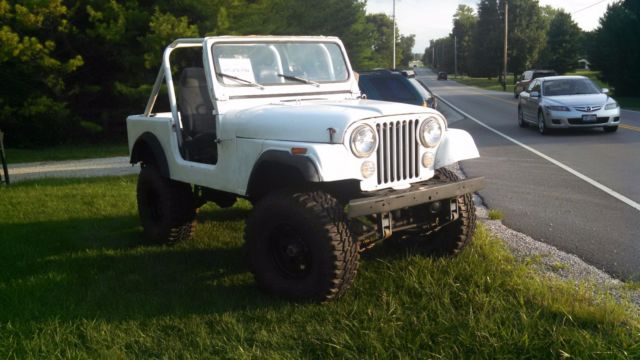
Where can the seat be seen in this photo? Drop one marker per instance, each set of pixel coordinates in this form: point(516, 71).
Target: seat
point(268, 76)
point(198, 121)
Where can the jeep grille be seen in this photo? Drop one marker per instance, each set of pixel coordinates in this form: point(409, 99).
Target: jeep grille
point(398, 151)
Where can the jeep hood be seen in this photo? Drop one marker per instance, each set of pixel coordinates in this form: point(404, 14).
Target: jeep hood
point(309, 121)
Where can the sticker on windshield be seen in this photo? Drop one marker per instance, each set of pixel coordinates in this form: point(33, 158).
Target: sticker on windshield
point(238, 67)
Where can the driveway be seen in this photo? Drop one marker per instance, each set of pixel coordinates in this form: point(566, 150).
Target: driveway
point(112, 166)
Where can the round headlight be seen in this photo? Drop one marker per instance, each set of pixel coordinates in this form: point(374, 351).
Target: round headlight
point(363, 141)
point(430, 132)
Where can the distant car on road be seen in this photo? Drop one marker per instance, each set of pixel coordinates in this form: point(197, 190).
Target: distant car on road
point(387, 85)
point(442, 75)
point(527, 77)
point(567, 102)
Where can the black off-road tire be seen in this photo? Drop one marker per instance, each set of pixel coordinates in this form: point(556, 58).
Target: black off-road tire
point(166, 207)
point(452, 238)
point(300, 246)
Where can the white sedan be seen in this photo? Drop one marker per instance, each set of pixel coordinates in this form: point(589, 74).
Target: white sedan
point(561, 102)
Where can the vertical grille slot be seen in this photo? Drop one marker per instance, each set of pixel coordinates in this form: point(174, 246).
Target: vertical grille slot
point(398, 151)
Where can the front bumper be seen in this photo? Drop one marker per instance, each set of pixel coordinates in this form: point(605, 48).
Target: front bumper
point(419, 194)
point(574, 118)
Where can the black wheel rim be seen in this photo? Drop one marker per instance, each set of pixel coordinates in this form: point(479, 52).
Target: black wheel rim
point(289, 252)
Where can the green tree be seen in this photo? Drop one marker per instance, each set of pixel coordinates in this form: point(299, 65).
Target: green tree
point(616, 50)
point(381, 39)
point(464, 22)
point(427, 57)
point(441, 51)
point(563, 44)
point(33, 68)
point(72, 68)
point(405, 49)
point(486, 46)
point(343, 18)
point(526, 35)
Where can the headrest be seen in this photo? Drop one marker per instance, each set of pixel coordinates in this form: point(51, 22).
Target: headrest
point(193, 77)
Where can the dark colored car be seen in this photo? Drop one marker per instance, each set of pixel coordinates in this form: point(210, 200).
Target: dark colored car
point(527, 77)
point(426, 93)
point(442, 75)
point(393, 86)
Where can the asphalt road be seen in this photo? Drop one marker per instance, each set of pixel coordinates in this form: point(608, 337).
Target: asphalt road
point(580, 192)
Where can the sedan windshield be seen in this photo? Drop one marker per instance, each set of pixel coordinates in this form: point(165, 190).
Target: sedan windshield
point(279, 63)
point(569, 87)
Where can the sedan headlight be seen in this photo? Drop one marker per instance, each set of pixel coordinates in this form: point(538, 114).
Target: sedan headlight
point(431, 132)
point(557, 108)
point(363, 141)
point(612, 105)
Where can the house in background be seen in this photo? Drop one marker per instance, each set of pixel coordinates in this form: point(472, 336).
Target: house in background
point(583, 64)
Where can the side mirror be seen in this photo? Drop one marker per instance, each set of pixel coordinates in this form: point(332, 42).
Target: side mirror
point(535, 94)
point(605, 91)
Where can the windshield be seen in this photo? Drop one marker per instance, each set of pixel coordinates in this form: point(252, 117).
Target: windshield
point(279, 63)
point(388, 88)
point(569, 87)
point(424, 92)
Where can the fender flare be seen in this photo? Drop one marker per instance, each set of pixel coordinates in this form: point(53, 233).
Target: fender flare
point(266, 171)
point(456, 146)
point(304, 164)
point(148, 146)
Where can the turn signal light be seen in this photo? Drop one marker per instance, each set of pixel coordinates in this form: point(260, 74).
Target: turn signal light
point(298, 151)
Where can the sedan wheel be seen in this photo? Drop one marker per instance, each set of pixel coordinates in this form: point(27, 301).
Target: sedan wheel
point(542, 127)
point(521, 121)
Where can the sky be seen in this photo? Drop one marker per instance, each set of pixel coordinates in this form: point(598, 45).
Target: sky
point(433, 19)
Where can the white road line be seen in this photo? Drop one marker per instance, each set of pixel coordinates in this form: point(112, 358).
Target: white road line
point(589, 180)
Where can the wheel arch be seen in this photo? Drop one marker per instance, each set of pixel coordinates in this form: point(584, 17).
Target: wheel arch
point(147, 149)
point(276, 169)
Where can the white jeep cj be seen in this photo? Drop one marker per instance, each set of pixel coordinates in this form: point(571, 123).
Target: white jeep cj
point(281, 122)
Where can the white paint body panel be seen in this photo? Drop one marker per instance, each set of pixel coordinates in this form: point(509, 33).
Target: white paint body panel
point(457, 145)
point(248, 123)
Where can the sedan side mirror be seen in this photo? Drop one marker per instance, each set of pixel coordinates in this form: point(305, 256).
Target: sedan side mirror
point(535, 94)
point(605, 91)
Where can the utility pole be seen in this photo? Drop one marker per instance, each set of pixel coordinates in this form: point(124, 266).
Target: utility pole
point(504, 58)
point(455, 55)
point(394, 35)
point(433, 55)
point(443, 54)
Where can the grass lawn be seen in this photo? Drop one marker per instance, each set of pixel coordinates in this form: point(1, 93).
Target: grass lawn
point(75, 282)
point(631, 103)
point(593, 75)
point(67, 152)
point(483, 83)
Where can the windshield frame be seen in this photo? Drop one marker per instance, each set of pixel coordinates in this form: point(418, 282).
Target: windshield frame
point(282, 74)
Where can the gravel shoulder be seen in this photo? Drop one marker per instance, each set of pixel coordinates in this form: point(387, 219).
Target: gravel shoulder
point(553, 263)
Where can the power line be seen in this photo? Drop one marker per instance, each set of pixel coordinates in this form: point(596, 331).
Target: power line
point(588, 7)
